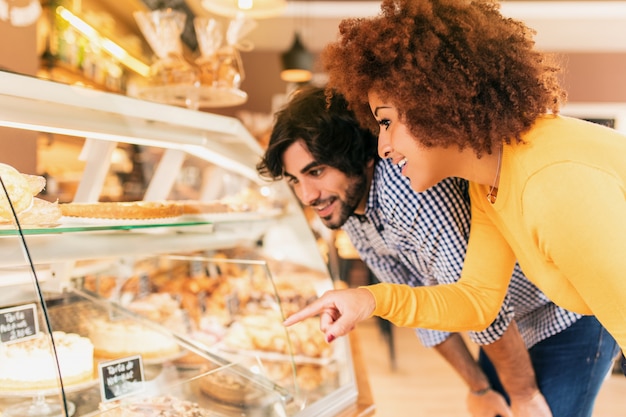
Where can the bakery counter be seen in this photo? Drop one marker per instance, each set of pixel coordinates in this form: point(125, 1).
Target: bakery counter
point(244, 358)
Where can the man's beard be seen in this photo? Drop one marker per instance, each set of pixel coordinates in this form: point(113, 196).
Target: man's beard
point(354, 194)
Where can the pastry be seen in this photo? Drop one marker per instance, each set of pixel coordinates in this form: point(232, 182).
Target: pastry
point(18, 188)
point(227, 387)
point(161, 406)
point(265, 332)
point(120, 338)
point(203, 207)
point(41, 213)
point(133, 210)
point(30, 210)
point(125, 337)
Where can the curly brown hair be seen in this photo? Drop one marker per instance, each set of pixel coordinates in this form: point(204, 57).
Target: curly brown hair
point(459, 73)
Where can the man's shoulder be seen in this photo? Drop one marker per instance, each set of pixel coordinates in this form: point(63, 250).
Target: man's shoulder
point(390, 185)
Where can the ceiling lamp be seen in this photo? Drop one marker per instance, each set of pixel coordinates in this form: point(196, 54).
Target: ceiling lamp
point(297, 63)
point(254, 9)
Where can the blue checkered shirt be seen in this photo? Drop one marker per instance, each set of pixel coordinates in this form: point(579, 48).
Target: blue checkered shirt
point(421, 238)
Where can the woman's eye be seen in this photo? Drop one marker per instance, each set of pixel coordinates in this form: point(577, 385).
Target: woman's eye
point(384, 123)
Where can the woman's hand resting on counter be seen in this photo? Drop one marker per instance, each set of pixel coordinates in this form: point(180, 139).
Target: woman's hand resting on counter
point(339, 311)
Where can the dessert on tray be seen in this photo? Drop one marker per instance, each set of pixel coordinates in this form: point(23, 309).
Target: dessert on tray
point(159, 406)
point(126, 210)
point(30, 365)
point(119, 337)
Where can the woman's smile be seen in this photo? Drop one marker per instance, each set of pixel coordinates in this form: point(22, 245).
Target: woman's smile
point(402, 165)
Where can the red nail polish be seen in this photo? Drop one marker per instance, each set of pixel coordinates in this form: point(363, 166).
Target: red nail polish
point(330, 338)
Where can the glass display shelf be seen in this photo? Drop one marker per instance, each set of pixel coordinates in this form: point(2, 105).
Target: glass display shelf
point(110, 226)
point(62, 247)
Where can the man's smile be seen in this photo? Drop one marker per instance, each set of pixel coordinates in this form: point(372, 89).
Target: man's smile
point(325, 207)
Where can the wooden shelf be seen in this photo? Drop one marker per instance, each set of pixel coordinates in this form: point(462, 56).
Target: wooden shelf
point(64, 73)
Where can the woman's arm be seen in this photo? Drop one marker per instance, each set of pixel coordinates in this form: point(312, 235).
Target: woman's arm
point(469, 304)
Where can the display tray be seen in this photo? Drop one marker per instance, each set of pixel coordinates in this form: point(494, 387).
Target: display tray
point(160, 360)
point(263, 355)
point(75, 225)
point(192, 223)
point(68, 388)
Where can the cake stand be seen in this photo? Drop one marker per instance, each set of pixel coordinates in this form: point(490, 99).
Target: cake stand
point(39, 405)
point(193, 97)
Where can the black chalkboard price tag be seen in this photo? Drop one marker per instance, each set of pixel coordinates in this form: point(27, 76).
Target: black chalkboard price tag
point(120, 378)
point(18, 323)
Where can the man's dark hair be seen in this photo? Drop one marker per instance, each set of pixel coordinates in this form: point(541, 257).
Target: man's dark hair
point(327, 127)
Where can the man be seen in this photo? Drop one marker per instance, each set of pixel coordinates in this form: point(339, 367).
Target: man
point(544, 360)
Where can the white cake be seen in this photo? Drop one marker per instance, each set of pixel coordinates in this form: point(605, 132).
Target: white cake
point(116, 339)
point(30, 364)
point(125, 337)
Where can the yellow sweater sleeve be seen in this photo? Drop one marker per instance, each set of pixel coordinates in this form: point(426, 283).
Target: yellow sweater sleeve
point(470, 304)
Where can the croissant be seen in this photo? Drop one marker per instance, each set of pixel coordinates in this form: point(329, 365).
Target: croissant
point(22, 189)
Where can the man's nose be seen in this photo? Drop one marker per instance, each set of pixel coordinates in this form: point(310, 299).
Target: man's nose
point(308, 192)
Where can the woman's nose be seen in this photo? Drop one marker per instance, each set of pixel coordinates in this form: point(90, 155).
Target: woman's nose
point(384, 146)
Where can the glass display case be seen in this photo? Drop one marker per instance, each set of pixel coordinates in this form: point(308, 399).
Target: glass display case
point(174, 315)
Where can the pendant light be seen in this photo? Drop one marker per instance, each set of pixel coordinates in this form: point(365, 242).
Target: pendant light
point(253, 9)
point(297, 63)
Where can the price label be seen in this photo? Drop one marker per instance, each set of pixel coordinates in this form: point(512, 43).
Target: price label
point(121, 378)
point(196, 269)
point(18, 323)
point(145, 286)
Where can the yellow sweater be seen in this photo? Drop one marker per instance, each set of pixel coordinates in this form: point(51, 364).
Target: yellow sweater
point(560, 211)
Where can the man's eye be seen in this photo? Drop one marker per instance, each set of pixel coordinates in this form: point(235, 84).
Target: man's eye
point(316, 172)
point(291, 181)
point(384, 123)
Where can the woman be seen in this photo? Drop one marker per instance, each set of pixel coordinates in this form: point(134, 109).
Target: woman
point(459, 91)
